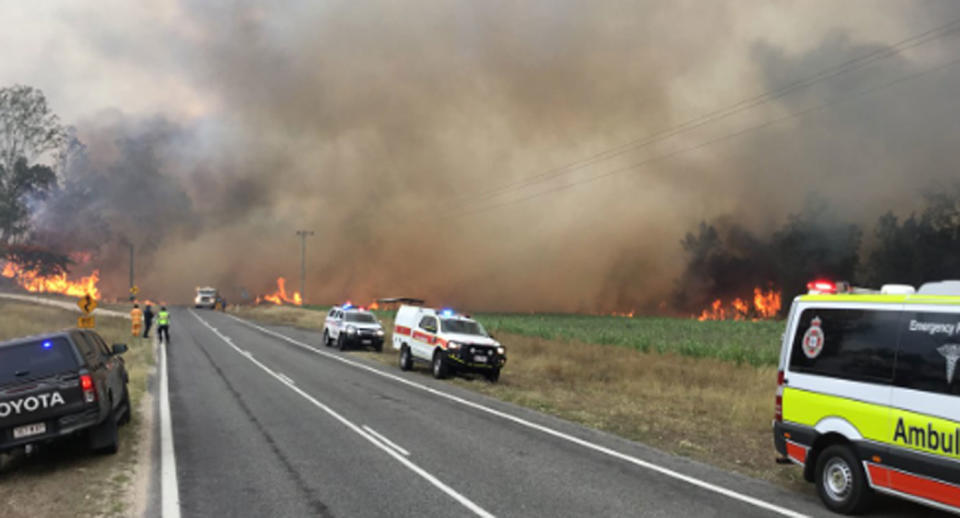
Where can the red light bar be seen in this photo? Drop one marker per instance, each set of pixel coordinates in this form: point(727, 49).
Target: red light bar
point(822, 287)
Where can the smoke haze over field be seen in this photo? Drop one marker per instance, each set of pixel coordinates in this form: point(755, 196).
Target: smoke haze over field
point(211, 134)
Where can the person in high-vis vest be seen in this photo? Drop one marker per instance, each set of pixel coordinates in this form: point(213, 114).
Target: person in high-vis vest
point(136, 321)
point(163, 325)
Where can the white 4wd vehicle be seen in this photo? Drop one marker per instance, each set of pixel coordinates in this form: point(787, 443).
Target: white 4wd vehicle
point(347, 326)
point(448, 341)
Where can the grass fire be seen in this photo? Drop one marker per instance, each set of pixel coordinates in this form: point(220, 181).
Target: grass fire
point(57, 283)
point(280, 297)
point(765, 305)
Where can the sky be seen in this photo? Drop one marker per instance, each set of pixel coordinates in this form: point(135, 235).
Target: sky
point(427, 143)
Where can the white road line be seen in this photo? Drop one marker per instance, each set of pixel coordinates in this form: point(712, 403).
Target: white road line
point(466, 502)
point(549, 431)
point(169, 491)
point(386, 441)
point(286, 379)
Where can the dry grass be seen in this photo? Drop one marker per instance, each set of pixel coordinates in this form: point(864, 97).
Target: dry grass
point(65, 479)
point(709, 409)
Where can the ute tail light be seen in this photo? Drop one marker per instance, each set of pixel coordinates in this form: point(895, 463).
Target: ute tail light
point(89, 392)
point(778, 401)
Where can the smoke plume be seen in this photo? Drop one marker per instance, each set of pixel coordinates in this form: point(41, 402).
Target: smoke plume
point(383, 127)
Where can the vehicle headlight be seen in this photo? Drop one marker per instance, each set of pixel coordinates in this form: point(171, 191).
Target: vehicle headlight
point(501, 350)
point(379, 332)
point(351, 330)
point(453, 346)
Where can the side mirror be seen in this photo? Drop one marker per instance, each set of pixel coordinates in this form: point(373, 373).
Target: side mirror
point(119, 348)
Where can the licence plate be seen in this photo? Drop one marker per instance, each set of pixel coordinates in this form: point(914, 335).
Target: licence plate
point(367, 342)
point(28, 430)
point(480, 359)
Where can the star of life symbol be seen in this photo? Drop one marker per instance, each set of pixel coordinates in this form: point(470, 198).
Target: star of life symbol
point(813, 339)
point(952, 353)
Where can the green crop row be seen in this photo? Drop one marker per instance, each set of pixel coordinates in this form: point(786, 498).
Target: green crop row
point(754, 343)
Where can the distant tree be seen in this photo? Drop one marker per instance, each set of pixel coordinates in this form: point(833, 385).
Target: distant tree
point(725, 260)
point(923, 247)
point(29, 132)
point(28, 129)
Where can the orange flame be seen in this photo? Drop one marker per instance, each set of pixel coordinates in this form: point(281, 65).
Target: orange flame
point(35, 283)
point(628, 314)
point(373, 306)
point(766, 305)
point(280, 296)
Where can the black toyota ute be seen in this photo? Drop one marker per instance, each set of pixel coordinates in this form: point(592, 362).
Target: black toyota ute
point(60, 384)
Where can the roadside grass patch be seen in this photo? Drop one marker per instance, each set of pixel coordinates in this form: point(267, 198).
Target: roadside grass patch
point(65, 478)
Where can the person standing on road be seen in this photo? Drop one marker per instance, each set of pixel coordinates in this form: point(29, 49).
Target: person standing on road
point(136, 320)
point(147, 320)
point(163, 325)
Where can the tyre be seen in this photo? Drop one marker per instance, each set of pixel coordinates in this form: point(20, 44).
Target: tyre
point(406, 360)
point(493, 376)
point(128, 410)
point(440, 368)
point(841, 482)
point(104, 437)
point(326, 338)
point(341, 342)
point(378, 347)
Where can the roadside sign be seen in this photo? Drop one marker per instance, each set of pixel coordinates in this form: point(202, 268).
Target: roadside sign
point(87, 304)
point(85, 322)
point(134, 290)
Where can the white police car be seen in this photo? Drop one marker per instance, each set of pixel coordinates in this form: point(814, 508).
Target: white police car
point(349, 326)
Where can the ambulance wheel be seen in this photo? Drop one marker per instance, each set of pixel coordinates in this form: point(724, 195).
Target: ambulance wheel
point(439, 366)
point(841, 482)
point(406, 361)
point(326, 338)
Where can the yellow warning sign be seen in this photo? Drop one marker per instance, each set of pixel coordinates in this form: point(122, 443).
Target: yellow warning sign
point(85, 322)
point(134, 290)
point(87, 304)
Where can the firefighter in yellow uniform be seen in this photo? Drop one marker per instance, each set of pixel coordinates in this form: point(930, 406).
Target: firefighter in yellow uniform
point(163, 325)
point(136, 321)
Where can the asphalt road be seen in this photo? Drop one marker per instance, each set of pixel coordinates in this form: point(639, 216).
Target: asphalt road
point(266, 422)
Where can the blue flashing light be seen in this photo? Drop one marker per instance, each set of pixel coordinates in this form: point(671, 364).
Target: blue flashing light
point(48, 344)
point(447, 312)
point(347, 306)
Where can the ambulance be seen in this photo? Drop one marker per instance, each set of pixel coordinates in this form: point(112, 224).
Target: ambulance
point(448, 341)
point(868, 397)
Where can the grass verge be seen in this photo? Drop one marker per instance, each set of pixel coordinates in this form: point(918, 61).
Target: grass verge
point(64, 478)
point(714, 409)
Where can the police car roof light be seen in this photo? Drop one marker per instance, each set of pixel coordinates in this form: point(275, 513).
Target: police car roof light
point(447, 312)
point(48, 344)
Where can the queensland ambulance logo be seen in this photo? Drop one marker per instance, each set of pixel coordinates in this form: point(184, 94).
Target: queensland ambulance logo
point(952, 353)
point(813, 339)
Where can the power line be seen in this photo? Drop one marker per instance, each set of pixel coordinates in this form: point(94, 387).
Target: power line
point(728, 136)
point(743, 105)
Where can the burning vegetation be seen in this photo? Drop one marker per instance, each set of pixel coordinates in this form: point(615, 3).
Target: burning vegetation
point(280, 296)
point(57, 283)
point(765, 305)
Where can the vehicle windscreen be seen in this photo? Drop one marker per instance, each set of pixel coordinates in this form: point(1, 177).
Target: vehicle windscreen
point(207, 293)
point(36, 360)
point(362, 318)
point(466, 327)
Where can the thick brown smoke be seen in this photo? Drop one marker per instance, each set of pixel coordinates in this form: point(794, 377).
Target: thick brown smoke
point(377, 125)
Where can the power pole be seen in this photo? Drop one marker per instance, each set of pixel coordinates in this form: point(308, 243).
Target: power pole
point(303, 262)
point(132, 295)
